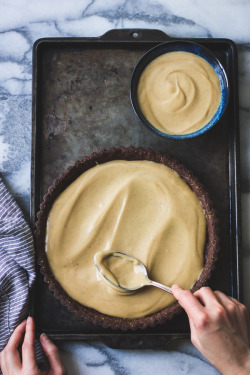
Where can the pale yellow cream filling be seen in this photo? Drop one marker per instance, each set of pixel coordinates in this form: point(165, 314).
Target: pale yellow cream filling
point(179, 92)
point(141, 208)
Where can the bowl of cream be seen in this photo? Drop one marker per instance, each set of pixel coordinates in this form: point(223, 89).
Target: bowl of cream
point(179, 89)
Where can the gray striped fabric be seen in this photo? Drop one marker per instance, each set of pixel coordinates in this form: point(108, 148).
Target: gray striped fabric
point(17, 266)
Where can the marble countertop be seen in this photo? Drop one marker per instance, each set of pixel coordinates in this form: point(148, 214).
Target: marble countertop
point(21, 24)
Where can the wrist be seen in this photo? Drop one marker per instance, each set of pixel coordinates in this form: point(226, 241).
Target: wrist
point(246, 365)
point(240, 369)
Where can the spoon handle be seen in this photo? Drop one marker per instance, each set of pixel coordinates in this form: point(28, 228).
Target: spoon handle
point(161, 286)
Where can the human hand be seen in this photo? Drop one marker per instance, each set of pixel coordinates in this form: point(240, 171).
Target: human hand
point(220, 328)
point(10, 361)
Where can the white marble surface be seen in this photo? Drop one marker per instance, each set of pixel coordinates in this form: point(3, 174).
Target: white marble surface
point(21, 23)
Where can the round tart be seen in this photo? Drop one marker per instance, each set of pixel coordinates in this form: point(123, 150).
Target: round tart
point(50, 266)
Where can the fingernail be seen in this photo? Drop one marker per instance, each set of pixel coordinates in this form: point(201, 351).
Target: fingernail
point(176, 287)
point(44, 337)
point(28, 319)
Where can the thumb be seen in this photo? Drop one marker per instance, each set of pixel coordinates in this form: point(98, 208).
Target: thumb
point(176, 289)
point(188, 301)
point(52, 354)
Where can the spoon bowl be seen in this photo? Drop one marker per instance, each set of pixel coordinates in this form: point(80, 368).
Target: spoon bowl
point(123, 272)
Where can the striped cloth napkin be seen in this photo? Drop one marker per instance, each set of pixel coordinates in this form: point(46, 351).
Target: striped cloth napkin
point(17, 267)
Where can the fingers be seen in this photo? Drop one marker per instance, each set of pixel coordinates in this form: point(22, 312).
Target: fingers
point(206, 296)
point(188, 301)
point(17, 335)
point(10, 361)
point(202, 307)
point(53, 355)
point(28, 348)
point(229, 303)
point(213, 307)
point(237, 313)
point(10, 358)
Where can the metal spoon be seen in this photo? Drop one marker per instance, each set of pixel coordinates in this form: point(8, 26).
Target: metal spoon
point(138, 269)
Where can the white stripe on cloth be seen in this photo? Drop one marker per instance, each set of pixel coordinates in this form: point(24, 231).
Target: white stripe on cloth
point(17, 267)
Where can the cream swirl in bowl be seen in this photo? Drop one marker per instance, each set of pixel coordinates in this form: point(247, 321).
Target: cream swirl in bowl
point(179, 89)
point(179, 92)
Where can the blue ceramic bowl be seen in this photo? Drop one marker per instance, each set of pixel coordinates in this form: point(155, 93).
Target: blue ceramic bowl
point(184, 46)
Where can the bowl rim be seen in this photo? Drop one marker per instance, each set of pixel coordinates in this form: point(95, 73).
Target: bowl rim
point(162, 48)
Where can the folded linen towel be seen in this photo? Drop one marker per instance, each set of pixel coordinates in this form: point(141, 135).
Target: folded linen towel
point(17, 266)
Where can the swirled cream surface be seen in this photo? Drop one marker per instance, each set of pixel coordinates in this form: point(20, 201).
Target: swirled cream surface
point(179, 92)
point(139, 207)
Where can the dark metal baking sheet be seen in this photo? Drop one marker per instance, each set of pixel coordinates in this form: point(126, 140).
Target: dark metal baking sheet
point(81, 104)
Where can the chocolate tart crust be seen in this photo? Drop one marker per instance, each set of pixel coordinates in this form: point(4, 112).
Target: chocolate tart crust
point(66, 178)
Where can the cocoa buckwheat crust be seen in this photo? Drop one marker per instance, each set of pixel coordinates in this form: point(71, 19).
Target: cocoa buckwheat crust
point(66, 178)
